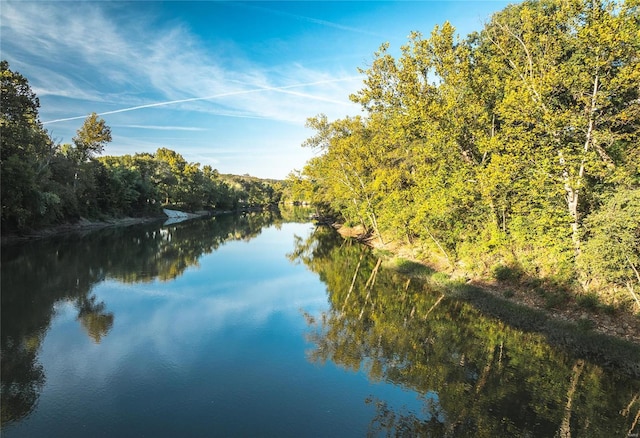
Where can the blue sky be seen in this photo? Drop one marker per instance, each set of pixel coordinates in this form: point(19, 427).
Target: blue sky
point(229, 84)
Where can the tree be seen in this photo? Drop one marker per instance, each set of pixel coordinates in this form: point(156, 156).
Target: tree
point(92, 137)
point(347, 168)
point(496, 147)
point(170, 171)
point(570, 71)
point(25, 154)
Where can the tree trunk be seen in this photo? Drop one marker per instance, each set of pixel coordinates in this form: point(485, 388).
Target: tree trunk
point(353, 281)
point(573, 190)
point(572, 205)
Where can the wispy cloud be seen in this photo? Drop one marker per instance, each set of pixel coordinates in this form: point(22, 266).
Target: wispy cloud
point(282, 89)
point(174, 63)
point(162, 128)
point(153, 75)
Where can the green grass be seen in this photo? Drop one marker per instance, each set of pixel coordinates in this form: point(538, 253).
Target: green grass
point(440, 278)
point(584, 324)
point(382, 253)
point(577, 337)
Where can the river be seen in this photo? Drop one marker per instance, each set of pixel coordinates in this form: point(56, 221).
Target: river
point(257, 326)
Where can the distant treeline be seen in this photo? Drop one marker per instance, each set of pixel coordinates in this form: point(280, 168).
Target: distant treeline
point(514, 152)
point(44, 183)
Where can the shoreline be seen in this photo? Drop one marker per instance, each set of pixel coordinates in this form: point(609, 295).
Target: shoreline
point(169, 217)
point(610, 340)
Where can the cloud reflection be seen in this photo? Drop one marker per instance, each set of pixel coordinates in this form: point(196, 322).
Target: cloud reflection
point(175, 325)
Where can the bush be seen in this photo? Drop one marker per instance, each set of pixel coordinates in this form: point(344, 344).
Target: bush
point(555, 299)
point(506, 273)
point(412, 268)
point(588, 301)
point(611, 250)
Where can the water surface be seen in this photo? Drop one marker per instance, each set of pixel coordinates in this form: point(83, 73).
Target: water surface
point(196, 329)
point(252, 326)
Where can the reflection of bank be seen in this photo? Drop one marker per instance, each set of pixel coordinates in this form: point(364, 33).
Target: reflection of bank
point(475, 375)
point(175, 216)
point(36, 278)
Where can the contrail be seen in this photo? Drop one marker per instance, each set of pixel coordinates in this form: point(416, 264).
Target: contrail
point(215, 96)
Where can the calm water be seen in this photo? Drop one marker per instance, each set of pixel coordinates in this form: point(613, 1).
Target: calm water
point(246, 326)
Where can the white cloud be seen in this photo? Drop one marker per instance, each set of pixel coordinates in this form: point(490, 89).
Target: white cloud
point(101, 57)
point(161, 127)
point(219, 305)
point(89, 56)
point(281, 89)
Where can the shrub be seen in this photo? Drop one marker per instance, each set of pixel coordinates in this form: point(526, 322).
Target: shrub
point(584, 324)
point(506, 273)
point(588, 301)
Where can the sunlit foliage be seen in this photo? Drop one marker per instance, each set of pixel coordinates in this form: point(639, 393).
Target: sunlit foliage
point(494, 148)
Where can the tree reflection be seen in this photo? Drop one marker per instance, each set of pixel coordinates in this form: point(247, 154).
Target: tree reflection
point(487, 378)
point(404, 424)
point(95, 321)
point(37, 275)
point(22, 378)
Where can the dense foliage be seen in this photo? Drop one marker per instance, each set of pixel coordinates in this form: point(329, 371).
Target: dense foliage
point(44, 183)
point(507, 148)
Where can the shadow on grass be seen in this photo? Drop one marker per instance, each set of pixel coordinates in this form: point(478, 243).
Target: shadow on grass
point(410, 268)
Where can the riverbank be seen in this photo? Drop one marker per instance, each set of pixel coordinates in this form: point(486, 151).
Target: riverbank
point(510, 301)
